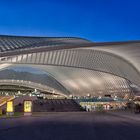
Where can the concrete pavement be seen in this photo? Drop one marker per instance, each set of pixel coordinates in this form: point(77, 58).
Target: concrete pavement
point(70, 126)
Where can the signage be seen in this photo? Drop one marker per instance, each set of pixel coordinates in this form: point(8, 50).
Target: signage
point(27, 106)
point(0, 111)
point(10, 108)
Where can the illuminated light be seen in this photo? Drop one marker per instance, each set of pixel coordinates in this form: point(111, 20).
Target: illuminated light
point(88, 94)
point(27, 106)
point(0, 111)
point(70, 96)
point(10, 108)
point(99, 97)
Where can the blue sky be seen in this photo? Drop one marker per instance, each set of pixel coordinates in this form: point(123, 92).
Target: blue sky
point(96, 20)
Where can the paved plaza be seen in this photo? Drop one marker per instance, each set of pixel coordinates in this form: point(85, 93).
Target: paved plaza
point(72, 126)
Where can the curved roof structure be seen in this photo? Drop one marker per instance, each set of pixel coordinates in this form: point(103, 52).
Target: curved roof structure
point(81, 66)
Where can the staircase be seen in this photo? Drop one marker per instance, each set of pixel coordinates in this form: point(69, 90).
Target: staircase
point(53, 105)
point(56, 105)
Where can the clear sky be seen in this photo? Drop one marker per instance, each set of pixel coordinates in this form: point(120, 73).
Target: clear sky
point(96, 20)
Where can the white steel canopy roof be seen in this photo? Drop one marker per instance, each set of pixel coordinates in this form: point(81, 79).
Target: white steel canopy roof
point(74, 62)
